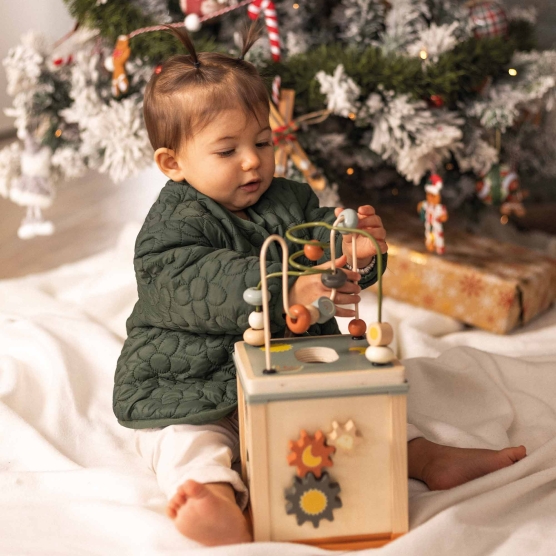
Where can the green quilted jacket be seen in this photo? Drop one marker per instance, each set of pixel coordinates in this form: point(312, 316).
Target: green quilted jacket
point(193, 261)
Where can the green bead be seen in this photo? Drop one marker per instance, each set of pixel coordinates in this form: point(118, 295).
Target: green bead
point(350, 219)
point(253, 296)
point(334, 281)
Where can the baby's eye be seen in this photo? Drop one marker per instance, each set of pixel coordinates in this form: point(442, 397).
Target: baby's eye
point(223, 154)
point(264, 144)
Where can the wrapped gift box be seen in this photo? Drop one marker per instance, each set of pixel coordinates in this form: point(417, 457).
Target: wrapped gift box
point(479, 281)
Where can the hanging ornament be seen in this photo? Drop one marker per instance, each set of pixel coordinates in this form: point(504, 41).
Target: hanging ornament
point(268, 9)
point(433, 214)
point(33, 189)
point(436, 101)
point(191, 7)
point(488, 19)
point(117, 65)
point(284, 136)
point(500, 187)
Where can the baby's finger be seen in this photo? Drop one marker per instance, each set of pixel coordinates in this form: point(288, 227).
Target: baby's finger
point(346, 299)
point(340, 312)
point(366, 210)
point(373, 221)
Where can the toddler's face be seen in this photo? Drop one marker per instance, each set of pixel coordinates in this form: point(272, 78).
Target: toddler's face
point(231, 160)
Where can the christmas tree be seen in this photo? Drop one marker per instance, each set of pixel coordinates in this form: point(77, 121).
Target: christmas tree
point(413, 87)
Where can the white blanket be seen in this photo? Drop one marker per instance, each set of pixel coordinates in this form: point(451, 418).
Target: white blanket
point(71, 484)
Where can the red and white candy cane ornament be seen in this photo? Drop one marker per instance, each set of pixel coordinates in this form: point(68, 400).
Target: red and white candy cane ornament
point(271, 20)
point(276, 82)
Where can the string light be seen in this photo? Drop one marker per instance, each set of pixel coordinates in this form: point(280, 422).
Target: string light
point(512, 72)
point(423, 54)
point(58, 132)
point(395, 191)
point(351, 116)
point(350, 171)
point(295, 6)
point(449, 166)
point(504, 220)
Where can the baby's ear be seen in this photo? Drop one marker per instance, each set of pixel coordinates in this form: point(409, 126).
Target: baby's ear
point(168, 164)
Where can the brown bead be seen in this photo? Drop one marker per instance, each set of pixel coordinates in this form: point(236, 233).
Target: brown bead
point(313, 251)
point(357, 328)
point(301, 320)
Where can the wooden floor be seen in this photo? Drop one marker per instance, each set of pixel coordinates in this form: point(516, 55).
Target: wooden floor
point(88, 213)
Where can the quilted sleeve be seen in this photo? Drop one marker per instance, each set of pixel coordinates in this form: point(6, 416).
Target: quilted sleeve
point(188, 282)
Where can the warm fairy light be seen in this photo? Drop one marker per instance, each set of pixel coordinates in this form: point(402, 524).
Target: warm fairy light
point(295, 6)
point(58, 132)
point(351, 116)
point(350, 171)
point(449, 166)
point(395, 191)
point(512, 72)
point(423, 54)
point(504, 220)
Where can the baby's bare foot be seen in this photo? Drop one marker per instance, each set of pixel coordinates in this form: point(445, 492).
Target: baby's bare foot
point(208, 514)
point(444, 467)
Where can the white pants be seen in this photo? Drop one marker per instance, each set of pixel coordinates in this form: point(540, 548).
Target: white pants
point(204, 453)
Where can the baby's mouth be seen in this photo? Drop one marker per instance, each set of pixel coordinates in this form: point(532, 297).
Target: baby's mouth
point(250, 186)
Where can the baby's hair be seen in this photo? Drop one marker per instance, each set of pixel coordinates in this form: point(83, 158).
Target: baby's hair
point(190, 90)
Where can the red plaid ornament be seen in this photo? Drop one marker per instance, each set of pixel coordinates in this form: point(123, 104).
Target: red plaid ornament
point(488, 19)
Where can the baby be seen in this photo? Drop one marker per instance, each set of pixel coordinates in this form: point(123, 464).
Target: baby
point(207, 117)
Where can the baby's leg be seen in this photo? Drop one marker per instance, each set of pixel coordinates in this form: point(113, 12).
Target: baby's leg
point(443, 467)
point(193, 465)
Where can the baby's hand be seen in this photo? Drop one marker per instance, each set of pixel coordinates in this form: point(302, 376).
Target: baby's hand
point(307, 289)
point(372, 224)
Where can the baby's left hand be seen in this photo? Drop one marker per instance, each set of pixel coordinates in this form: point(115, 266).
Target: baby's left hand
point(372, 224)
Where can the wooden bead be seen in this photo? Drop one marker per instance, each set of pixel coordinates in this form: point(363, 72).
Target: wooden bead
point(350, 219)
point(254, 337)
point(301, 320)
point(334, 281)
point(380, 334)
point(326, 308)
point(253, 296)
point(256, 320)
point(313, 251)
point(379, 354)
point(313, 312)
point(357, 328)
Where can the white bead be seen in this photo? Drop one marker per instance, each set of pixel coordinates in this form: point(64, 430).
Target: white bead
point(254, 337)
point(256, 320)
point(192, 23)
point(380, 334)
point(379, 354)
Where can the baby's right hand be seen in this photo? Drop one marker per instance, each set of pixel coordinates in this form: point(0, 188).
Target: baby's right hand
point(307, 289)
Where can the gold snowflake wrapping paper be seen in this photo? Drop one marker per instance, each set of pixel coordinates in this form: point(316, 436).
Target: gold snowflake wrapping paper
point(481, 282)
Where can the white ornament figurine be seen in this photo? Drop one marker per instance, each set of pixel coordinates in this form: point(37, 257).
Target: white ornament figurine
point(34, 189)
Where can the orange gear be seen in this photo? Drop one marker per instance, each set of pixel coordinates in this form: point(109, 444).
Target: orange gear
point(310, 454)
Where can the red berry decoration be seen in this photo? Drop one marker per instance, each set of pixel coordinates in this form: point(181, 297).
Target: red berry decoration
point(301, 320)
point(313, 251)
point(357, 328)
point(437, 101)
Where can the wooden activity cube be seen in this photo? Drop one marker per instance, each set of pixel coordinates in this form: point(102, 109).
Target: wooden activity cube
point(355, 497)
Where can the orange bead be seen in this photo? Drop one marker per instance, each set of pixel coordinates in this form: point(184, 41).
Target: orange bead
point(313, 251)
point(301, 320)
point(357, 328)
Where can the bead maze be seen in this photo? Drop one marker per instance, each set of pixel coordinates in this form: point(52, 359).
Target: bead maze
point(322, 418)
